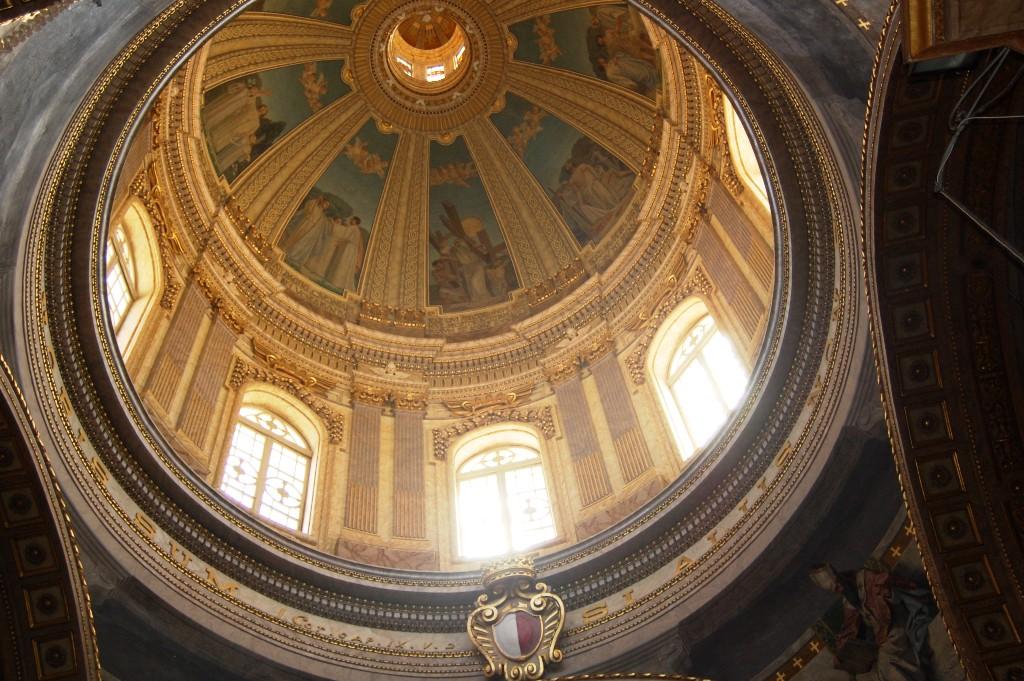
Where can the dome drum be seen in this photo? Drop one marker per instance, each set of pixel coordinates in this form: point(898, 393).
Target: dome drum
point(387, 402)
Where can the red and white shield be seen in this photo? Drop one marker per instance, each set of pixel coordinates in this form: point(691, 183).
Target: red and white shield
point(518, 634)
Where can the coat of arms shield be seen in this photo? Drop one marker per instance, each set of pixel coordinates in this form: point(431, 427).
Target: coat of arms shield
point(518, 634)
point(517, 623)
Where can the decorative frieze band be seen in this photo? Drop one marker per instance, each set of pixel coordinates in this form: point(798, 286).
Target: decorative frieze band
point(242, 372)
point(697, 282)
point(542, 418)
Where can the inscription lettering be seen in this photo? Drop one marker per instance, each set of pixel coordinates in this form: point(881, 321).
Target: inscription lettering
point(595, 613)
point(227, 587)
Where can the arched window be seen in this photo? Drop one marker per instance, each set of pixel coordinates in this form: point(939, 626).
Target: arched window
point(743, 155)
point(502, 501)
point(700, 376)
point(132, 274)
point(268, 468)
point(121, 285)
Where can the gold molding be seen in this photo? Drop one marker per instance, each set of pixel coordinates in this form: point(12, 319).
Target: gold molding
point(542, 418)
point(243, 372)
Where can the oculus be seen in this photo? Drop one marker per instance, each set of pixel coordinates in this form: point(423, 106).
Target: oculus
point(428, 52)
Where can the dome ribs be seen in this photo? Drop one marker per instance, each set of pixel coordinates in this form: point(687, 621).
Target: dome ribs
point(513, 11)
point(396, 273)
point(272, 188)
point(624, 124)
point(260, 41)
point(539, 242)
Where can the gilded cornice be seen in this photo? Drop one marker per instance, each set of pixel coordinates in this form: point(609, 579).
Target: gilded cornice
point(244, 372)
point(542, 418)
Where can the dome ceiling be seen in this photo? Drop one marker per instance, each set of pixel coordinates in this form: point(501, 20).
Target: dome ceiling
point(450, 165)
point(233, 308)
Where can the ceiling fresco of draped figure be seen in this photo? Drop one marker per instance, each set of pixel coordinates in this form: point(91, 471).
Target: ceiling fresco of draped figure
point(326, 238)
point(609, 42)
point(243, 118)
point(590, 187)
point(529, 146)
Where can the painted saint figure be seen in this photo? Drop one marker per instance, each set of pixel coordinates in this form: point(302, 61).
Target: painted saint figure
point(238, 126)
point(594, 186)
point(326, 242)
point(621, 51)
point(469, 269)
point(885, 623)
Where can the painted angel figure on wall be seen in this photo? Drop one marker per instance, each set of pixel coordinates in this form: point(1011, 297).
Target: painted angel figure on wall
point(884, 632)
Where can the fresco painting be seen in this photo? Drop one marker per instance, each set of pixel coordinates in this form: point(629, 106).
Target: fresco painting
point(883, 626)
point(244, 117)
point(327, 238)
point(338, 11)
point(470, 265)
point(607, 41)
point(589, 186)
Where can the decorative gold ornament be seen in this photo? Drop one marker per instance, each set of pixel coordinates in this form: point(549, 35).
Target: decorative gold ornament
point(517, 622)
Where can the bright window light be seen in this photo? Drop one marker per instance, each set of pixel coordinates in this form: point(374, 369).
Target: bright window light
point(435, 73)
point(503, 503)
point(120, 276)
point(706, 380)
point(267, 468)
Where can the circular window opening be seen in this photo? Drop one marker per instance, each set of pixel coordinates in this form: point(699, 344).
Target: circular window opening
point(428, 52)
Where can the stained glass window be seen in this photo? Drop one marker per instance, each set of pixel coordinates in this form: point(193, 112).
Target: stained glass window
point(706, 379)
point(267, 467)
point(503, 503)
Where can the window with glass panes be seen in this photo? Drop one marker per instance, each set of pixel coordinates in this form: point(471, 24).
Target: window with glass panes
point(267, 467)
point(706, 379)
point(502, 503)
point(120, 277)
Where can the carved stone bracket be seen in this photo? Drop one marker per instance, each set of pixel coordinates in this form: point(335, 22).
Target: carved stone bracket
point(146, 187)
point(400, 399)
point(235, 319)
point(716, 103)
point(243, 372)
point(697, 282)
point(489, 402)
point(542, 418)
